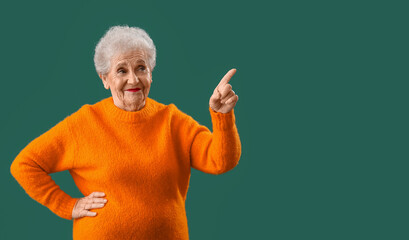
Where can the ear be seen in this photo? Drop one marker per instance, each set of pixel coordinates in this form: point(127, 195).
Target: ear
point(104, 80)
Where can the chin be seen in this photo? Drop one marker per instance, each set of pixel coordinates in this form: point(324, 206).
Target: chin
point(134, 102)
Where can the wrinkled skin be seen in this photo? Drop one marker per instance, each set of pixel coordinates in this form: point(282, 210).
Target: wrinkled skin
point(129, 70)
point(83, 205)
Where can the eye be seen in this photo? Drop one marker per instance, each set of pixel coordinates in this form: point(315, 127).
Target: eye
point(121, 70)
point(141, 68)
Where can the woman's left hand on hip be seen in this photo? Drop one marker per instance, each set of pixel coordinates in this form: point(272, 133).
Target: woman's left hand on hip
point(224, 98)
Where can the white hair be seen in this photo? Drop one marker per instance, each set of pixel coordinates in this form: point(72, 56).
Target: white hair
point(120, 39)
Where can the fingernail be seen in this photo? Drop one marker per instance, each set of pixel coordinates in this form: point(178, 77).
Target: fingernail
point(105, 200)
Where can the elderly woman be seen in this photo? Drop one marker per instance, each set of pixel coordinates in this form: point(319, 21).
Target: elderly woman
point(130, 155)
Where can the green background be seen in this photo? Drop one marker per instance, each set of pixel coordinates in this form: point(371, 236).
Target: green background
point(322, 114)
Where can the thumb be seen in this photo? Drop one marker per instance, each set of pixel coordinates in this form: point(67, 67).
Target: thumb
point(74, 210)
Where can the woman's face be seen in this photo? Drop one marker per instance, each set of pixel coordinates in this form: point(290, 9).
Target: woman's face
point(129, 71)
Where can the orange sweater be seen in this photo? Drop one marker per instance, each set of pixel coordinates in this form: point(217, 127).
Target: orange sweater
point(140, 160)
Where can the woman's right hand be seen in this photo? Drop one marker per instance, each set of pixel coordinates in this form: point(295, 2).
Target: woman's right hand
point(94, 200)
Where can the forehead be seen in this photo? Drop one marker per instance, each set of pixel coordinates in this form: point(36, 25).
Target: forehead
point(130, 57)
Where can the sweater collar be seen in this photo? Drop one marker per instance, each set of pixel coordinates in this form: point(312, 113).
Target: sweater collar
point(117, 113)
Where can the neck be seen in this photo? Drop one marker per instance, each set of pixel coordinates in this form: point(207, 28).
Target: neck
point(131, 107)
point(116, 113)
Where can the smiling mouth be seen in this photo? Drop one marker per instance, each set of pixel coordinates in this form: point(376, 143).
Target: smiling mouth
point(133, 90)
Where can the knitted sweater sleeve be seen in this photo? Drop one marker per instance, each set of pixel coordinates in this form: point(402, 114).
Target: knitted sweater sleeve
point(214, 152)
point(53, 151)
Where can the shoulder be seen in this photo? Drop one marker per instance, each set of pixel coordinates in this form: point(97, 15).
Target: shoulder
point(180, 118)
point(172, 110)
point(176, 112)
point(85, 112)
point(158, 106)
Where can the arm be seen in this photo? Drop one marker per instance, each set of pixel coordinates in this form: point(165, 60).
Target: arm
point(216, 152)
point(220, 151)
point(51, 152)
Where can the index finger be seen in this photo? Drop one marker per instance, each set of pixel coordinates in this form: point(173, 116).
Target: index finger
point(97, 194)
point(227, 77)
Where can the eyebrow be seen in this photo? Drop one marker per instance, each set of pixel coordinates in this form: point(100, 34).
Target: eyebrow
point(120, 64)
point(124, 63)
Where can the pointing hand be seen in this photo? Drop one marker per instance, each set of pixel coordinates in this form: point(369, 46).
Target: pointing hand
point(224, 98)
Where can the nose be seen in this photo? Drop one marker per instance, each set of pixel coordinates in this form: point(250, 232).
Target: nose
point(133, 79)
